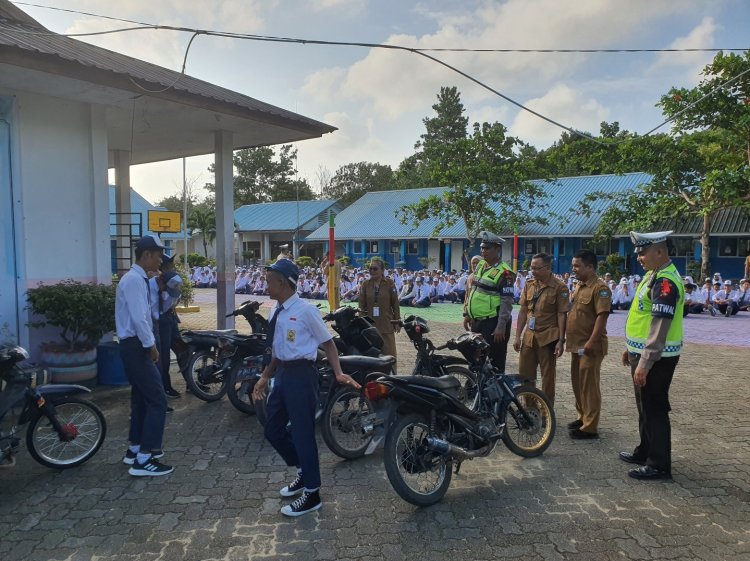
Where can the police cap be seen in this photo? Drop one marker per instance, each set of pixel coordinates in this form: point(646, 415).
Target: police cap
point(488, 238)
point(644, 240)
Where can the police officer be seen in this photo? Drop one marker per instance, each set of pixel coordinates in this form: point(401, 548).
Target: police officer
point(295, 332)
point(586, 339)
point(489, 300)
point(139, 353)
point(653, 335)
point(544, 303)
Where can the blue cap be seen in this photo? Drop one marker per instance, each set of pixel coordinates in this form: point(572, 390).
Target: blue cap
point(286, 268)
point(149, 241)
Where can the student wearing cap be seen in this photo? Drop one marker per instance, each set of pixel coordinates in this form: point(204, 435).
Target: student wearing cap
point(169, 290)
point(726, 300)
point(540, 329)
point(140, 355)
point(743, 296)
point(489, 299)
point(693, 300)
point(295, 332)
point(586, 340)
point(421, 294)
point(653, 335)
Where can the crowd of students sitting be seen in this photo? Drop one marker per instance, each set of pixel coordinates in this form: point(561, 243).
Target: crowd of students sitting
point(424, 288)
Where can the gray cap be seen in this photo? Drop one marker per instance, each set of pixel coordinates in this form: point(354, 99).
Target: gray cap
point(641, 240)
point(490, 238)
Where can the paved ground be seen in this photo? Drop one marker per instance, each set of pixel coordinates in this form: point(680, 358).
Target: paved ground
point(574, 503)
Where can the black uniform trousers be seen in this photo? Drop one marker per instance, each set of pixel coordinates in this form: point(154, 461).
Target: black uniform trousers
point(498, 351)
point(652, 400)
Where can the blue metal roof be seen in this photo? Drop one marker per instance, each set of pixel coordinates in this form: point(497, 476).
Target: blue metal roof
point(374, 216)
point(140, 206)
point(282, 216)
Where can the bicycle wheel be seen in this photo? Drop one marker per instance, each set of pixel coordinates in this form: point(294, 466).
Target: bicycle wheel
point(529, 439)
point(84, 426)
point(202, 377)
point(419, 476)
point(344, 417)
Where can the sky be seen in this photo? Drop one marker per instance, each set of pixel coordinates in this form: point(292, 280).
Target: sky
point(377, 98)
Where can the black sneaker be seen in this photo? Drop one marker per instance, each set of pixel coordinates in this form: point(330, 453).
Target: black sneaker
point(294, 488)
point(172, 393)
point(308, 502)
point(152, 468)
point(577, 424)
point(130, 457)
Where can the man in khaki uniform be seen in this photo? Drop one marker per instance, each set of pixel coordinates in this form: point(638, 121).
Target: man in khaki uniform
point(544, 305)
point(587, 341)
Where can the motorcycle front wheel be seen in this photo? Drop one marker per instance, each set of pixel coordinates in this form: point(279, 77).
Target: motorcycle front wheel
point(419, 476)
point(343, 421)
point(202, 378)
point(529, 439)
point(240, 391)
point(84, 426)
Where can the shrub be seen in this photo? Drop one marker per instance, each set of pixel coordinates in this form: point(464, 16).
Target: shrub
point(305, 261)
point(187, 290)
point(84, 311)
point(196, 260)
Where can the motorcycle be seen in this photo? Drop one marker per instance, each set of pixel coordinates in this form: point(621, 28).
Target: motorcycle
point(63, 431)
point(429, 427)
point(213, 353)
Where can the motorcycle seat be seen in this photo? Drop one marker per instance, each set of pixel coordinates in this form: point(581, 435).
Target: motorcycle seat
point(213, 332)
point(367, 362)
point(440, 383)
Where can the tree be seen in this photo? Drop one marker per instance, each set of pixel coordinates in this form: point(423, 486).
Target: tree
point(351, 181)
point(204, 220)
point(703, 166)
point(481, 169)
point(262, 178)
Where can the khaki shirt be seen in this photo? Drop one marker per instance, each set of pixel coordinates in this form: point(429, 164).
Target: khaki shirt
point(591, 299)
point(543, 301)
point(386, 301)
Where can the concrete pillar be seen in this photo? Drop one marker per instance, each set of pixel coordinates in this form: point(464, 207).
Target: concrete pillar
point(224, 228)
point(447, 259)
point(556, 255)
point(265, 248)
point(101, 249)
point(122, 207)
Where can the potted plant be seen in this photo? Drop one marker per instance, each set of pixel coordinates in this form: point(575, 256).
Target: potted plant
point(84, 312)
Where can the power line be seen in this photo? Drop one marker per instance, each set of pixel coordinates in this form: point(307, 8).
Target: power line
point(413, 50)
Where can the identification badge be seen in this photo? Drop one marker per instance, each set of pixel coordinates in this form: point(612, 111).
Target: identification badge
point(376, 311)
point(532, 323)
point(291, 335)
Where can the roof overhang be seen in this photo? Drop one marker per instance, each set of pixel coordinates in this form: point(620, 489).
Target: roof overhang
point(165, 125)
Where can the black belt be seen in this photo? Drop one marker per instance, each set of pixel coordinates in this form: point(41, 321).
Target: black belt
point(297, 362)
point(484, 318)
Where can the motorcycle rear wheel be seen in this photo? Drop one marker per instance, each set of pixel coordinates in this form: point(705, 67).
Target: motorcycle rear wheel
point(468, 383)
point(419, 476)
point(341, 425)
point(84, 419)
point(529, 440)
point(201, 379)
point(240, 392)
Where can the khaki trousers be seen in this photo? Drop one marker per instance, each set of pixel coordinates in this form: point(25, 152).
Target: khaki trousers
point(389, 346)
point(543, 357)
point(585, 372)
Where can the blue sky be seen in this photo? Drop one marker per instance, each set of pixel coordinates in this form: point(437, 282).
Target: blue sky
point(378, 98)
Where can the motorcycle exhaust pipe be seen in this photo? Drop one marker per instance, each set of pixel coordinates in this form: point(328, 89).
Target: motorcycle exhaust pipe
point(445, 448)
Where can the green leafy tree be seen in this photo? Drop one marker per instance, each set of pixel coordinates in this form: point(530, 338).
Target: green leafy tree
point(265, 176)
point(351, 181)
point(203, 220)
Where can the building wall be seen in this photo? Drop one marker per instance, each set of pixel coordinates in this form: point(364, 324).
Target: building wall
point(59, 166)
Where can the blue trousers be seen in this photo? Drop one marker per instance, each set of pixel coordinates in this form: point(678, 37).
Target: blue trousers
point(148, 402)
point(295, 398)
point(168, 332)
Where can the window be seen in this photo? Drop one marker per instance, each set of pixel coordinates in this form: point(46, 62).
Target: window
point(728, 247)
point(412, 247)
point(602, 248)
point(373, 247)
point(529, 247)
point(682, 247)
point(358, 246)
point(561, 246)
point(395, 246)
point(744, 247)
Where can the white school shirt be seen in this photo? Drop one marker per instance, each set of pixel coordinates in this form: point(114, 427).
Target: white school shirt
point(299, 331)
point(132, 310)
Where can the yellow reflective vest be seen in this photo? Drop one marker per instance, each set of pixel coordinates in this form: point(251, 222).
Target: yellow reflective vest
point(488, 288)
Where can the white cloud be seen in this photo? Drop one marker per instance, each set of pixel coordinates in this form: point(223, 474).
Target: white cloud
point(701, 37)
point(564, 105)
point(320, 5)
point(323, 85)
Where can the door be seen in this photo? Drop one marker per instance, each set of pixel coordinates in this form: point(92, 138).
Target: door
point(9, 321)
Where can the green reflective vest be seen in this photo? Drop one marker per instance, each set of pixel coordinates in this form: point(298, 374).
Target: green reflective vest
point(486, 292)
point(639, 316)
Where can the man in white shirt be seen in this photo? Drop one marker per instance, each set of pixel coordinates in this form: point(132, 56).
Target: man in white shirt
point(135, 330)
point(422, 296)
point(726, 300)
point(743, 296)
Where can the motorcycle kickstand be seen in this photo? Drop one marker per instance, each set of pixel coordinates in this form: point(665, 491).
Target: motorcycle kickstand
point(458, 467)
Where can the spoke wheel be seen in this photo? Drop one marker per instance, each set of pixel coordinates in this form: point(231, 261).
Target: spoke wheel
point(84, 430)
point(202, 377)
point(524, 438)
point(345, 415)
point(419, 476)
point(468, 391)
point(240, 390)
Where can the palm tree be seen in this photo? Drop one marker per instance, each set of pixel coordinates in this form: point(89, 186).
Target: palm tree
point(203, 220)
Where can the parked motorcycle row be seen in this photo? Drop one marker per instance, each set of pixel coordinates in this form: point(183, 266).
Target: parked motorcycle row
point(448, 410)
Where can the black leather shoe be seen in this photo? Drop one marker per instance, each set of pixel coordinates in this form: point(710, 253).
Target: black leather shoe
point(631, 459)
point(649, 472)
point(577, 434)
point(577, 424)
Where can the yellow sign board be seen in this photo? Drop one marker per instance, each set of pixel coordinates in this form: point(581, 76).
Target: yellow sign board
point(164, 221)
